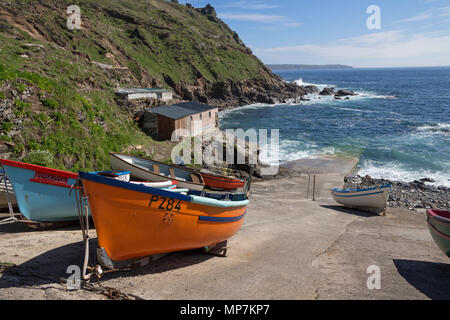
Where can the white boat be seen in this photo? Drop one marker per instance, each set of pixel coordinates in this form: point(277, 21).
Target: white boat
point(150, 170)
point(372, 199)
point(3, 196)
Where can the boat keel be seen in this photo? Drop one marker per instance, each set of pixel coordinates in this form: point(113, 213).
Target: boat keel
point(106, 262)
point(218, 249)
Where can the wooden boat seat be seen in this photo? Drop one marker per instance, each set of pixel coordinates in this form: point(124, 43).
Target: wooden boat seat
point(156, 168)
point(195, 178)
point(172, 173)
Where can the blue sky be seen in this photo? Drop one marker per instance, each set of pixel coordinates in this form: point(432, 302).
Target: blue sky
point(413, 32)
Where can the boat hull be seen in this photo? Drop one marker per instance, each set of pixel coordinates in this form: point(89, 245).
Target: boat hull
point(147, 175)
point(139, 223)
point(439, 226)
point(43, 194)
point(221, 183)
point(369, 199)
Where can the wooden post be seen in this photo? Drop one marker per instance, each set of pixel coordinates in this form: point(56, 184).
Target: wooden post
point(307, 190)
point(314, 188)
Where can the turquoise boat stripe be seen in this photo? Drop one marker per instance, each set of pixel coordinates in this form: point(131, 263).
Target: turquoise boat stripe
point(358, 195)
point(221, 219)
point(360, 190)
point(218, 203)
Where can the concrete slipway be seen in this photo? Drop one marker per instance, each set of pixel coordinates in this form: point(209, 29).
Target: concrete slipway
point(288, 248)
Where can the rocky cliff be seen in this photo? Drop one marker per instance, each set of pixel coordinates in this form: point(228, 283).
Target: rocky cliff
point(57, 83)
point(161, 43)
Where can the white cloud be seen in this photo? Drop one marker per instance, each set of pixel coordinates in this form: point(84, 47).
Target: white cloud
point(275, 22)
point(435, 13)
point(383, 49)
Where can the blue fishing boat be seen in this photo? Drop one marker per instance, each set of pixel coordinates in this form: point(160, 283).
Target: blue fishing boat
point(43, 194)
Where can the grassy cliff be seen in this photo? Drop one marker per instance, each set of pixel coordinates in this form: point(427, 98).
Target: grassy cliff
point(57, 104)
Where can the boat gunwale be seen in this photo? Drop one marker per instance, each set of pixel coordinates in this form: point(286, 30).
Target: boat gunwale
point(131, 186)
point(40, 169)
point(360, 190)
point(438, 218)
point(159, 175)
point(155, 191)
point(358, 195)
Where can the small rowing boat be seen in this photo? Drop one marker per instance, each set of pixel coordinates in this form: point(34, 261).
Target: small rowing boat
point(439, 226)
point(371, 199)
point(136, 221)
point(151, 170)
point(6, 191)
point(216, 182)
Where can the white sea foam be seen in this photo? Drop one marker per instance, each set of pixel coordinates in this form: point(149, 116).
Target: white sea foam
point(439, 128)
point(395, 172)
point(361, 94)
point(321, 86)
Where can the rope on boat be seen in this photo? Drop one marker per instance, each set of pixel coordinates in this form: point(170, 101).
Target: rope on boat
point(83, 217)
point(12, 218)
point(97, 271)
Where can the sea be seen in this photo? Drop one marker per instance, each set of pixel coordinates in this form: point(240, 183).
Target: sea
point(398, 126)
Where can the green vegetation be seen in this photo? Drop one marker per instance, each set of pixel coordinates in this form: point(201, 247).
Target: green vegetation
point(7, 126)
point(71, 120)
point(50, 103)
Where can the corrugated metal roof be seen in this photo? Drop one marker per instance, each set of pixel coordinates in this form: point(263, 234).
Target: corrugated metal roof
point(181, 110)
point(140, 90)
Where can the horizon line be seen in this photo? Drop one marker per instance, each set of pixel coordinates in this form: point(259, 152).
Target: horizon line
point(360, 67)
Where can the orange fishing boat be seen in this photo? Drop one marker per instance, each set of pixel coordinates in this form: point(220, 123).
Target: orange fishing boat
point(136, 221)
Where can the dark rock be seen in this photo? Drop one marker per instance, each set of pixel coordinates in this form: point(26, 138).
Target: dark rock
point(311, 89)
point(203, 99)
point(344, 93)
point(208, 10)
point(327, 92)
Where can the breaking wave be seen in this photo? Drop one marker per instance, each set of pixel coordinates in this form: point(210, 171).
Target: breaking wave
point(396, 172)
point(439, 128)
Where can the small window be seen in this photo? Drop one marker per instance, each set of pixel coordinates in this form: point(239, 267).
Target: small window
point(210, 114)
point(192, 118)
point(201, 116)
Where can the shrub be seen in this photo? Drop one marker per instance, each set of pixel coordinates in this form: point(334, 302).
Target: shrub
point(5, 138)
point(7, 126)
point(20, 87)
point(40, 157)
point(50, 103)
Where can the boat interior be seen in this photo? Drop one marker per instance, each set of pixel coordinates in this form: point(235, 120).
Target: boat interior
point(161, 169)
point(218, 196)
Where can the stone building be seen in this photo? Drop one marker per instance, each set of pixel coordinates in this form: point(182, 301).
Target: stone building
point(191, 118)
point(128, 94)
